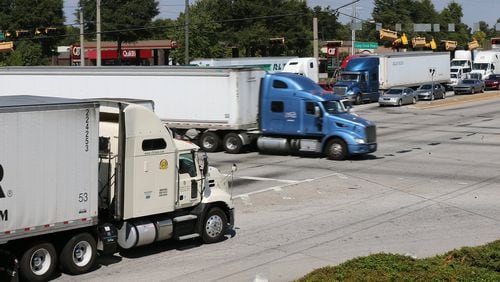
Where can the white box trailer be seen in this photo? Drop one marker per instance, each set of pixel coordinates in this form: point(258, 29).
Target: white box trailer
point(48, 158)
point(411, 69)
point(185, 97)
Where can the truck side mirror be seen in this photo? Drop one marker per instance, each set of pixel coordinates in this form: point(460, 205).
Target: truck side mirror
point(204, 170)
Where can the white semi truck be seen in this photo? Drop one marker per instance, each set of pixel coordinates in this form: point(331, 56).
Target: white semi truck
point(485, 64)
point(460, 66)
point(81, 177)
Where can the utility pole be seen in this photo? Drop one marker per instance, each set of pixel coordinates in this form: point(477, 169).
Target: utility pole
point(82, 49)
point(315, 38)
point(353, 28)
point(186, 31)
point(98, 33)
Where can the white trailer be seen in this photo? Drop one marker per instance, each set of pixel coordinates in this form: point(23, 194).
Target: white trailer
point(78, 177)
point(223, 98)
point(411, 69)
point(271, 64)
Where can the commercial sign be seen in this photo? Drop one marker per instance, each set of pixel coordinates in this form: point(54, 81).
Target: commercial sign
point(331, 51)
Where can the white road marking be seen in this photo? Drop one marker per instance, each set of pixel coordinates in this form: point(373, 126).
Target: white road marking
point(245, 196)
point(268, 179)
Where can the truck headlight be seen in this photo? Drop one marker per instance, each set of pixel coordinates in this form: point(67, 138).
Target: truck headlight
point(359, 141)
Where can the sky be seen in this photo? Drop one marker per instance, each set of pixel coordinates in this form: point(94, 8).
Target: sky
point(473, 10)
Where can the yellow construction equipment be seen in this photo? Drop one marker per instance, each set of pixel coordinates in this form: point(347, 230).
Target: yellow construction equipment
point(386, 34)
point(449, 45)
point(6, 47)
point(432, 44)
point(403, 40)
point(418, 42)
point(473, 44)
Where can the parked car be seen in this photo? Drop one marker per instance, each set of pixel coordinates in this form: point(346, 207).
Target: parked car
point(431, 92)
point(493, 82)
point(398, 96)
point(471, 86)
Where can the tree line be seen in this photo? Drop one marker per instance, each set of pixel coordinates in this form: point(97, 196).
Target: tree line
point(218, 28)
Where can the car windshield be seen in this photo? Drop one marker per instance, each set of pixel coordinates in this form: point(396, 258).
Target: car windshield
point(349, 77)
point(334, 107)
point(426, 87)
point(494, 77)
point(394, 91)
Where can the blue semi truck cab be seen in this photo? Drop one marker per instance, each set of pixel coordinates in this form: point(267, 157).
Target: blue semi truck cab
point(296, 114)
point(359, 82)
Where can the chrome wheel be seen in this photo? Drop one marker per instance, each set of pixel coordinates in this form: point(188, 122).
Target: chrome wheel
point(40, 261)
point(82, 253)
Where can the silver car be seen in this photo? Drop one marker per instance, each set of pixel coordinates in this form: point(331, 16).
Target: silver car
point(469, 86)
point(398, 96)
point(431, 92)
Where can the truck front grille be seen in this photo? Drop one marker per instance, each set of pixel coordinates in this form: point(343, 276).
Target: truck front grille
point(339, 90)
point(371, 134)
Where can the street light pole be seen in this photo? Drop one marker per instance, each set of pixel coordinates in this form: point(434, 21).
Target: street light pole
point(98, 33)
point(353, 28)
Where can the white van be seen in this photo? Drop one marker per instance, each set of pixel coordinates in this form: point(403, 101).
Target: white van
point(486, 63)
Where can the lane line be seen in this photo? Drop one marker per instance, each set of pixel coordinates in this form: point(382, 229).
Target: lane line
point(279, 188)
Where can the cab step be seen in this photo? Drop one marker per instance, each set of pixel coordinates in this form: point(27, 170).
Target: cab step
point(187, 217)
point(188, 236)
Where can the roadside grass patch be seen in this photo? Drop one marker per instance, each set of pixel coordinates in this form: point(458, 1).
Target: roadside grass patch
point(480, 263)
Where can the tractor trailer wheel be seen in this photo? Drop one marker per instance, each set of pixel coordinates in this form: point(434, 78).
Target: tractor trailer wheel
point(336, 149)
point(232, 143)
point(214, 226)
point(78, 254)
point(210, 141)
point(38, 262)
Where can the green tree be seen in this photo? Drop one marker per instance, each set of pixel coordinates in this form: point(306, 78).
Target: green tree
point(248, 25)
point(452, 14)
point(39, 23)
point(26, 54)
point(121, 20)
point(205, 40)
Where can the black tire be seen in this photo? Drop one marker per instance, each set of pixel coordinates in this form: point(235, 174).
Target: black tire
point(358, 100)
point(210, 141)
point(232, 143)
point(400, 102)
point(336, 149)
point(78, 254)
point(214, 226)
point(38, 262)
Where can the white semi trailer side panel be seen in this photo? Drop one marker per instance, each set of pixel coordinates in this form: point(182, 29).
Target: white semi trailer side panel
point(217, 97)
point(49, 159)
point(413, 69)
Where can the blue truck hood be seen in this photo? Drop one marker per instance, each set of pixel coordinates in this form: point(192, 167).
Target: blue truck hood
point(355, 119)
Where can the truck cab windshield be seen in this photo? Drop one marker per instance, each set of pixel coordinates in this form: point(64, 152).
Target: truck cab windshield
point(334, 107)
point(349, 77)
point(480, 66)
